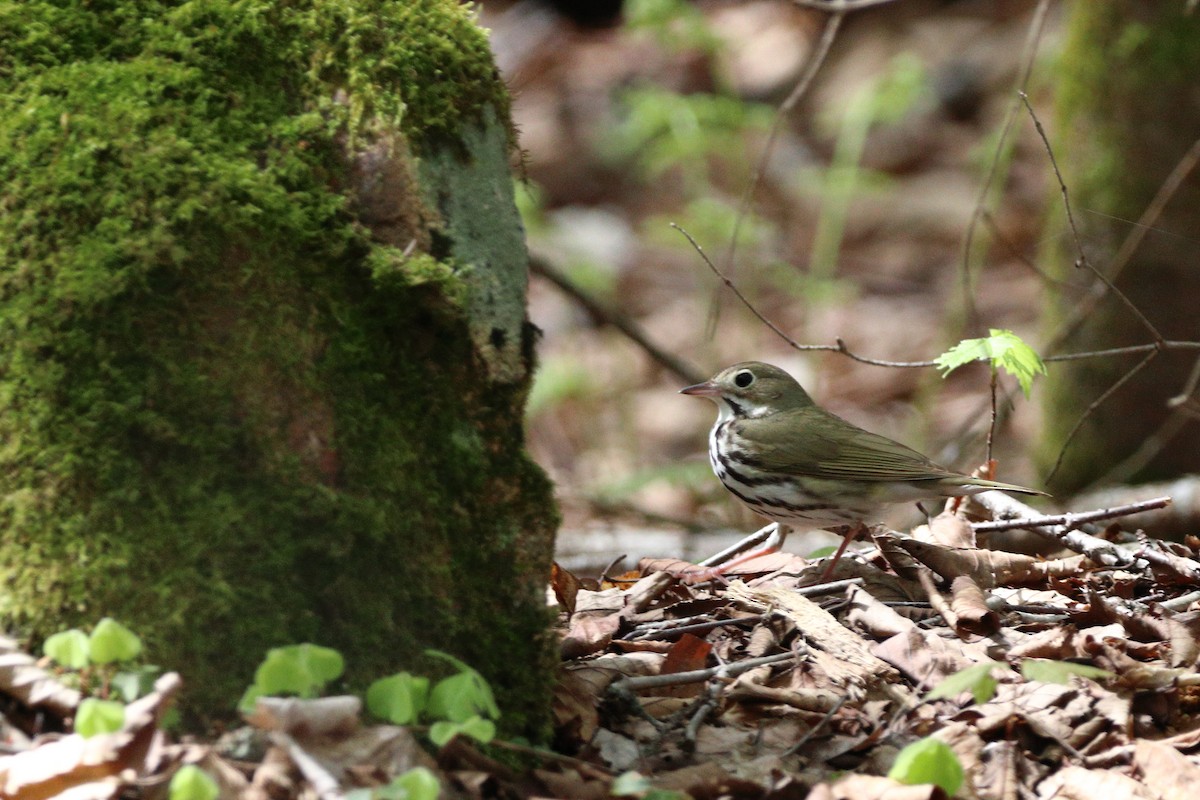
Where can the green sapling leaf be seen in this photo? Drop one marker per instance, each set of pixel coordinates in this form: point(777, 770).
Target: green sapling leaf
point(192, 783)
point(928, 760)
point(1002, 349)
point(1042, 669)
point(977, 680)
point(399, 699)
point(299, 669)
point(111, 641)
point(99, 716)
point(462, 696)
point(478, 728)
point(68, 648)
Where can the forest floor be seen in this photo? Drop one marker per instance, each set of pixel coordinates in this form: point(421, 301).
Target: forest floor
point(873, 220)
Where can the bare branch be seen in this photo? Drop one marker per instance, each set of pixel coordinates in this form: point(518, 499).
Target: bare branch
point(610, 316)
point(1082, 260)
point(1032, 39)
point(1144, 224)
point(1087, 412)
point(1071, 521)
point(820, 53)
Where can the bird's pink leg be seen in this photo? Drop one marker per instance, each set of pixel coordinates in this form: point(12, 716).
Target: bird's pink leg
point(771, 544)
point(851, 534)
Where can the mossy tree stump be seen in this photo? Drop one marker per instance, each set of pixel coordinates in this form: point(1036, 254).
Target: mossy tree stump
point(263, 345)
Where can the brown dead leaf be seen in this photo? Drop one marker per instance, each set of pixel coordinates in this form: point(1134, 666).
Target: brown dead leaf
point(73, 763)
point(566, 587)
point(574, 706)
point(946, 530)
point(871, 787)
point(990, 568)
point(569, 783)
point(704, 781)
point(878, 620)
point(923, 656)
point(643, 594)
point(22, 679)
point(970, 608)
point(275, 777)
point(1078, 783)
point(858, 663)
point(687, 654)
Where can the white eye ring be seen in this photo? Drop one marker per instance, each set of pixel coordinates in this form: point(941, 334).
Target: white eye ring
point(743, 379)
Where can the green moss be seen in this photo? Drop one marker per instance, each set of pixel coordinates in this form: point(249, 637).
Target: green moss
point(231, 416)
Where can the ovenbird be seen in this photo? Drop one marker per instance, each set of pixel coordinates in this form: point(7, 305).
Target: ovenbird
point(793, 462)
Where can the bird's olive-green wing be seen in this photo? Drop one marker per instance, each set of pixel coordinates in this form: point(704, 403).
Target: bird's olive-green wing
point(814, 443)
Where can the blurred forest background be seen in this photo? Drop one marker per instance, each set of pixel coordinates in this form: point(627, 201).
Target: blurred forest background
point(856, 230)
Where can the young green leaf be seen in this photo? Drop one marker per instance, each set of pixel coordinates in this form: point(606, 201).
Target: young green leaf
point(416, 784)
point(192, 783)
point(250, 698)
point(928, 760)
point(299, 669)
point(134, 683)
point(1042, 669)
point(462, 696)
point(68, 648)
point(478, 728)
point(1003, 349)
point(111, 641)
point(399, 699)
point(975, 679)
point(99, 716)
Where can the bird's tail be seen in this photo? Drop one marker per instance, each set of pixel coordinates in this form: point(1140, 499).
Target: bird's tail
point(1004, 487)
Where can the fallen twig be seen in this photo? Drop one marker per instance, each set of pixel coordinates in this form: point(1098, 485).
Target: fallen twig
point(1070, 520)
point(639, 682)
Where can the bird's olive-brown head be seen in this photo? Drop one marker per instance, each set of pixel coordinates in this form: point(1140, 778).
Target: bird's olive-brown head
point(751, 389)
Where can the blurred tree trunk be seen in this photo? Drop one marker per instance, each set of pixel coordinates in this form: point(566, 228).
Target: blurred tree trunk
point(1129, 110)
point(263, 344)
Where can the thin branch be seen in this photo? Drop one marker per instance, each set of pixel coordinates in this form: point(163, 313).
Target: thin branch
point(991, 433)
point(840, 347)
point(1087, 412)
point(1032, 40)
point(819, 54)
point(1123, 351)
point(1124, 256)
point(616, 319)
point(1150, 447)
point(639, 682)
point(1082, 260)
point(1071, 521)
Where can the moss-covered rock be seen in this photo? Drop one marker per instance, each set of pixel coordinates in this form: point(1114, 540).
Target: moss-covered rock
point(263, 351)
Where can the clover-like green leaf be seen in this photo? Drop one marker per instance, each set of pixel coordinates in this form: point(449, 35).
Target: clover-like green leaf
point(99, 716)
point(299, 669)
point(69, 648)
point(1043, 669)
point(399, 698)
point(192, 783)
point(478, 728)
point(976, 679)
point(111, 641)
point(928, 760)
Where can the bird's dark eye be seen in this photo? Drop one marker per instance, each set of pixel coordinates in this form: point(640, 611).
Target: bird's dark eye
point(743, 379)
